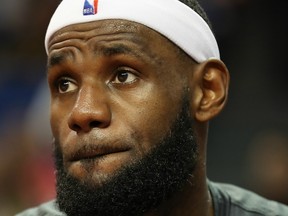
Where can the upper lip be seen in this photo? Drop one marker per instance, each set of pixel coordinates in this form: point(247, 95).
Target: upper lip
point(89, 151)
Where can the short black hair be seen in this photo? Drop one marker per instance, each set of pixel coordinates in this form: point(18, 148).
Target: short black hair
point(194, 4)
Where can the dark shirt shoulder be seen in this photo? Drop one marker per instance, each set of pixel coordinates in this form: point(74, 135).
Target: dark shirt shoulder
point(230, 200)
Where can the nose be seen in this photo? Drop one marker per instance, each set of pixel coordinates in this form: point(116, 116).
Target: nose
point(89, 111)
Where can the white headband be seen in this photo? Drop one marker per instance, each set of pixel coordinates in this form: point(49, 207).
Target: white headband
point(171, 18)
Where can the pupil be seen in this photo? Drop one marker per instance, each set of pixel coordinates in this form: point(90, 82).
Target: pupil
point(64, 85)
point(122, 77)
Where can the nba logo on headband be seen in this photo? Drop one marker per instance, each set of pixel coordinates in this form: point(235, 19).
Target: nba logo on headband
point(90, 7)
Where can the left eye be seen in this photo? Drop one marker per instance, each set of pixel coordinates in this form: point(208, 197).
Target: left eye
point(124, 77)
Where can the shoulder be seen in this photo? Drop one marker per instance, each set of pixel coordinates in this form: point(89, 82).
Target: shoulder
point(45, 209)
point(233, 200)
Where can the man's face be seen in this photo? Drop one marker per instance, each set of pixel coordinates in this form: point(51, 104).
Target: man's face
point(117, 90)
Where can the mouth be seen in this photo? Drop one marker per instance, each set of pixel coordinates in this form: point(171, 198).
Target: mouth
point(94, 152)
point(93, 161)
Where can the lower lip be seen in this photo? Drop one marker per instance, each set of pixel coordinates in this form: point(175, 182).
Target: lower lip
point(99, 166)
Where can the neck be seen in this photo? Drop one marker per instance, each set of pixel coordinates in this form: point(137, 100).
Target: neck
point(193, 200)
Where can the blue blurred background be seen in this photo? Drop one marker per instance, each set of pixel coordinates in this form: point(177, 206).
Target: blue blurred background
point(248, 142)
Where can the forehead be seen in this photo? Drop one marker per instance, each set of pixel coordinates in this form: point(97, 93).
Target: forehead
point(105, 30)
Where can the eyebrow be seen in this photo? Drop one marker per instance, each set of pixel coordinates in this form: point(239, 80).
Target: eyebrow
point(58, 58)
point(142, 52)
point(108, 51)
point(118, 49)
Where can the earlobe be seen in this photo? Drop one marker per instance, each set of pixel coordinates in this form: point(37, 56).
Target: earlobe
point(214, 84)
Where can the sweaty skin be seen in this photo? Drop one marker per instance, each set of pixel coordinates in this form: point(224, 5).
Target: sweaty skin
point(116, 87)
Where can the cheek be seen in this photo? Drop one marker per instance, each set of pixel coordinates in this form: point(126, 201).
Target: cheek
point(58, 121)
point(151, 117)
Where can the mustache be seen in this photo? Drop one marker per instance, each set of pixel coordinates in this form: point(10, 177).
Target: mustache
point(85, 149)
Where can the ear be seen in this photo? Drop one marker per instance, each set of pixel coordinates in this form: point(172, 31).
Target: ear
point(213, 83)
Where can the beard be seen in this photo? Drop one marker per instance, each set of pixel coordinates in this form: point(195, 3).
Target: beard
point(139, 187)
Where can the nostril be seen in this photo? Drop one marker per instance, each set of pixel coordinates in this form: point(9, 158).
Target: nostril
point(87, 127)
point(76, 127)
point(94, 124)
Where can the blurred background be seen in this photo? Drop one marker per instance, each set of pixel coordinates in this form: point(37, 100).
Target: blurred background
point(248, 142)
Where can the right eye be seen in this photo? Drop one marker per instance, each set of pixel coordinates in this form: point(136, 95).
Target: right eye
point(65, 85)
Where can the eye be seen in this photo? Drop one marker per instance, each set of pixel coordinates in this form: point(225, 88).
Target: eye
point(124, 76)
point(65, 85)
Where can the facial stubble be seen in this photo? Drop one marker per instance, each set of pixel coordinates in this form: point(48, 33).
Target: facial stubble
point(139, 187)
